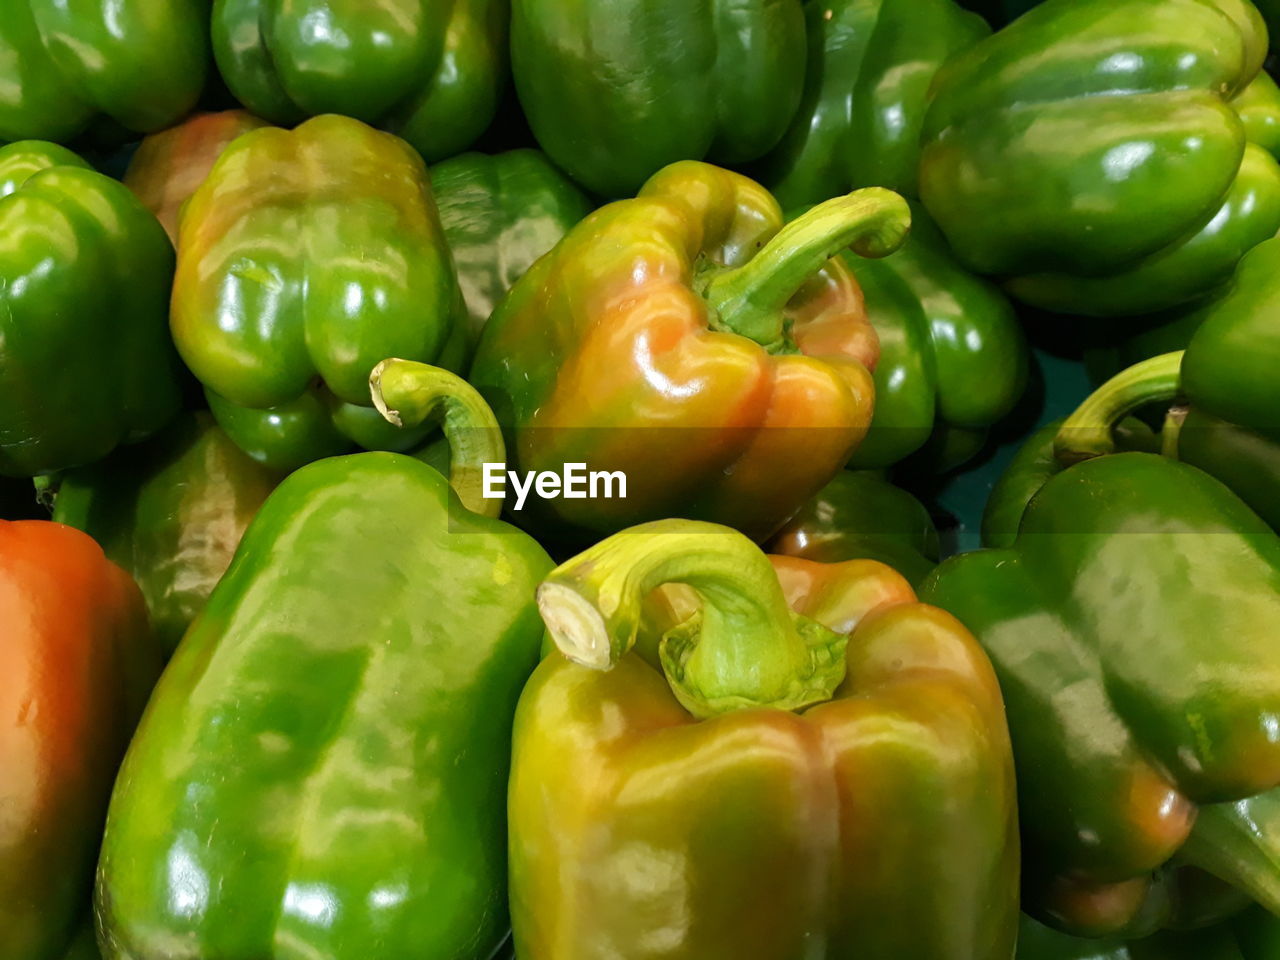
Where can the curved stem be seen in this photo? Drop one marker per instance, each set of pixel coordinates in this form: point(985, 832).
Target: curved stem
point(749, 299)
point(745, 648)
point(1088, 432)
point(1240, 844)
point(1171, 432)
point(409, 394)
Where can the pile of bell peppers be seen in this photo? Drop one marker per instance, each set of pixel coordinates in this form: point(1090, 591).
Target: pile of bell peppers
point(639, 480)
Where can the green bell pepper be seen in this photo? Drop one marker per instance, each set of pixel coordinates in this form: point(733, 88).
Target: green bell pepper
point(692, 342)
point(322, 769)
point(305, 258)
point(815, 767)
point(1131, 623)
point(1090, 156)
point(431, 71)
point(1226, 418)
point(500, 214)
point(136, 64)
point(86, 362)
point(618, 89)
point(1253, 935)
point(952, 354)
point(1259, 110)
point(869, 68)
point(860, 515)
point(170, 512)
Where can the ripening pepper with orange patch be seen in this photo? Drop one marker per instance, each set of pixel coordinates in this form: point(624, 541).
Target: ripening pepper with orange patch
point(749, 758)
point(690, 340)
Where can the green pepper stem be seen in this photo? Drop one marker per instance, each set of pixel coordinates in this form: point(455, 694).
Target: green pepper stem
point(1239, 843)
point(749, 300)
point(409, 394)
point(1089, 432)
point(745, 648)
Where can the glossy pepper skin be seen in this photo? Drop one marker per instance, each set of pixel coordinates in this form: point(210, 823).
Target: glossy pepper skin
point(1089, 153)
point(1122, 620)
point(86, 362)
point(136, 64)
point(431, 71)
point(171, 512)
point(617, 90)
point(169, 166)
point(860, 515)
point(500, 213)
point(1254, 935)
point(342, 708)
point(76, 666)
point(688, 339)
point(869, 67)
point(815, 749)
point(305, 258)
point(952, 353)
point(1225, 416)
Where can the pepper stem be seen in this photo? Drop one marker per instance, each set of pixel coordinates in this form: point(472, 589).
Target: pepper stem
point(749, 300)
point(744, 648)
point(1089, 432)
point(1240, 843)
point(409, 394)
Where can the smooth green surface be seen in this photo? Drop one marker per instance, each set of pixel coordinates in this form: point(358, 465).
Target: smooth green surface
point(307, 257)
point(321, 771)
point(1229, 376)
point(136, 64)
point(860, 515)
point(615, 90)
point(432, 71)
point(869, 67)
point(1089, 153)
point(86, 362)
point(951, 351)
point(170, 512)
point(500, 213)
point(1137, 595)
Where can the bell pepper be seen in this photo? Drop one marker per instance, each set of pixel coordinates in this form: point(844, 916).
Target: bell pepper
point(1253, 935)
point(1131, 622)
point(814, 751)
point(168, 166)
point(952, 354)
point(431, 71)
point(869, 68)
point(689, 340)
point(323, 764)
point(305, 258)
point(66, 67)
point(860, 515)
point(76, 665)
point(500, 214)
point(86, 362)
point(1090, 156)
point(618, 89)
point(1259, 110)
point(171, 512)
point(1226, 406)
